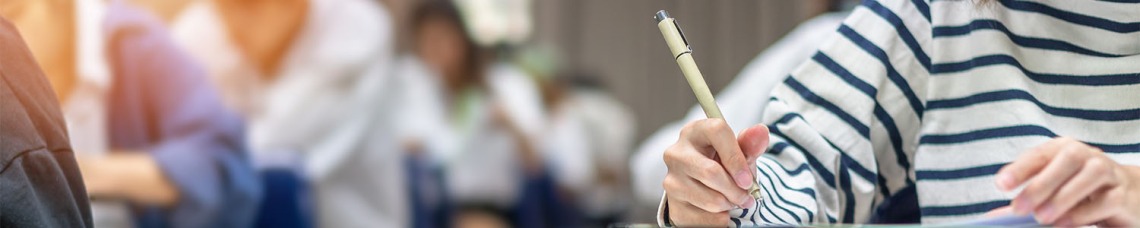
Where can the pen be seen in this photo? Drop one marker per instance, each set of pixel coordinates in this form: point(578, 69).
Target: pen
point(681, 51)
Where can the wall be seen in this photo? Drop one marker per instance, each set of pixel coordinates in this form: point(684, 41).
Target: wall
point(619, 40)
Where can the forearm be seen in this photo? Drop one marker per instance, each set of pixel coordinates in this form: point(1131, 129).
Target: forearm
point(134, 176)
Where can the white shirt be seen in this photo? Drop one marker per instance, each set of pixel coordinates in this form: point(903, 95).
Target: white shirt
point(322, 110)
point(485, 165)
point(480, 158)
point(587, 144)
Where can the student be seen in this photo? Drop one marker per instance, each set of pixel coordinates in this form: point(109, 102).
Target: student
point(308, 75)
point(154, 143)
point(420, 131)
point(586, 145)
point(964, 101)
point(493, 111)
point(41, 185)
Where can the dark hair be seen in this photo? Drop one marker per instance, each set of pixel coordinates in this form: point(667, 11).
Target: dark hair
point(445, 10)
point(430, 9)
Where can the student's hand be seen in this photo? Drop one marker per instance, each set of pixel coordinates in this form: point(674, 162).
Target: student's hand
point(1070, 183)
point(710, 170)
point(134, 176)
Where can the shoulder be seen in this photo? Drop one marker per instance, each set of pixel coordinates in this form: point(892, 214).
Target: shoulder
point(122, 16)
point(35, 155)
point(24, 88)
point(347, 32)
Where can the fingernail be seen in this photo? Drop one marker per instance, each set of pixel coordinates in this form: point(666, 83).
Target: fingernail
point(742, 179)
point(1004, 181)
point(746, 202)
point(1046, 214)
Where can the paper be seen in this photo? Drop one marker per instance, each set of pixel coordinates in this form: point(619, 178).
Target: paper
point(1002, 221)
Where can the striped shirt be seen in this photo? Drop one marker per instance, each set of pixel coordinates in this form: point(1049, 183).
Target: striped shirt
point(933, 97)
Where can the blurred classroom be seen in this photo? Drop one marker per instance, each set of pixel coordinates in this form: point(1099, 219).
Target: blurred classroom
point(380, 113)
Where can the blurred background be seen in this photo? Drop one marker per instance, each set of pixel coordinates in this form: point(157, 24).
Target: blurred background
point(380, 113)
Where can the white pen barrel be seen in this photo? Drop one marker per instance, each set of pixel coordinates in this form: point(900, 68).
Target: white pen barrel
point(700, 88)
point(681, 52)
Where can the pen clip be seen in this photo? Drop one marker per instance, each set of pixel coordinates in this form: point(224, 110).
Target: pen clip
point(682, 33)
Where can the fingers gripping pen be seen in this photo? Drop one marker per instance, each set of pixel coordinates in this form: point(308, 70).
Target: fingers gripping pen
point(681, 51)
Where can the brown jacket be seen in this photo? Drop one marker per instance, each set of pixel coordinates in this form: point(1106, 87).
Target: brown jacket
point(40, 184)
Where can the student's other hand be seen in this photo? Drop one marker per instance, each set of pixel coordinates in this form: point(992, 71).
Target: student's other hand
point(1070, 183)
point(710, 170)
point(134, 176)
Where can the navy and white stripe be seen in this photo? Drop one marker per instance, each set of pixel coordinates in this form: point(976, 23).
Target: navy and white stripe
point(940, 95)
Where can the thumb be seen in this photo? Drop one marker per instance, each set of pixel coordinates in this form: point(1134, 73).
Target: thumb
point(753, 142)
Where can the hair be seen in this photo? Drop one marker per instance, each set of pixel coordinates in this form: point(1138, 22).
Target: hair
point(445, 10)
point(432, 9)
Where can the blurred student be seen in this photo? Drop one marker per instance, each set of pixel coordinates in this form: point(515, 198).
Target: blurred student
point(611, 128)
point(41, 186)
point(976, 107)
point(155, 144)
point(307, 76)
point(586, 145)
point(420, 130)
point(493, 110)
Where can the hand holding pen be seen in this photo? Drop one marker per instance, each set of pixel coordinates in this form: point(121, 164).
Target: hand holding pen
point(711, 170)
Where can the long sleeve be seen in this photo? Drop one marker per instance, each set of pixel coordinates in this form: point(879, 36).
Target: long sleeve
point(844, 124)
point(198, 144)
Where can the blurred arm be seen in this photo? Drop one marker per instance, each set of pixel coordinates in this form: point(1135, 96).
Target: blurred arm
point(133, 175)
